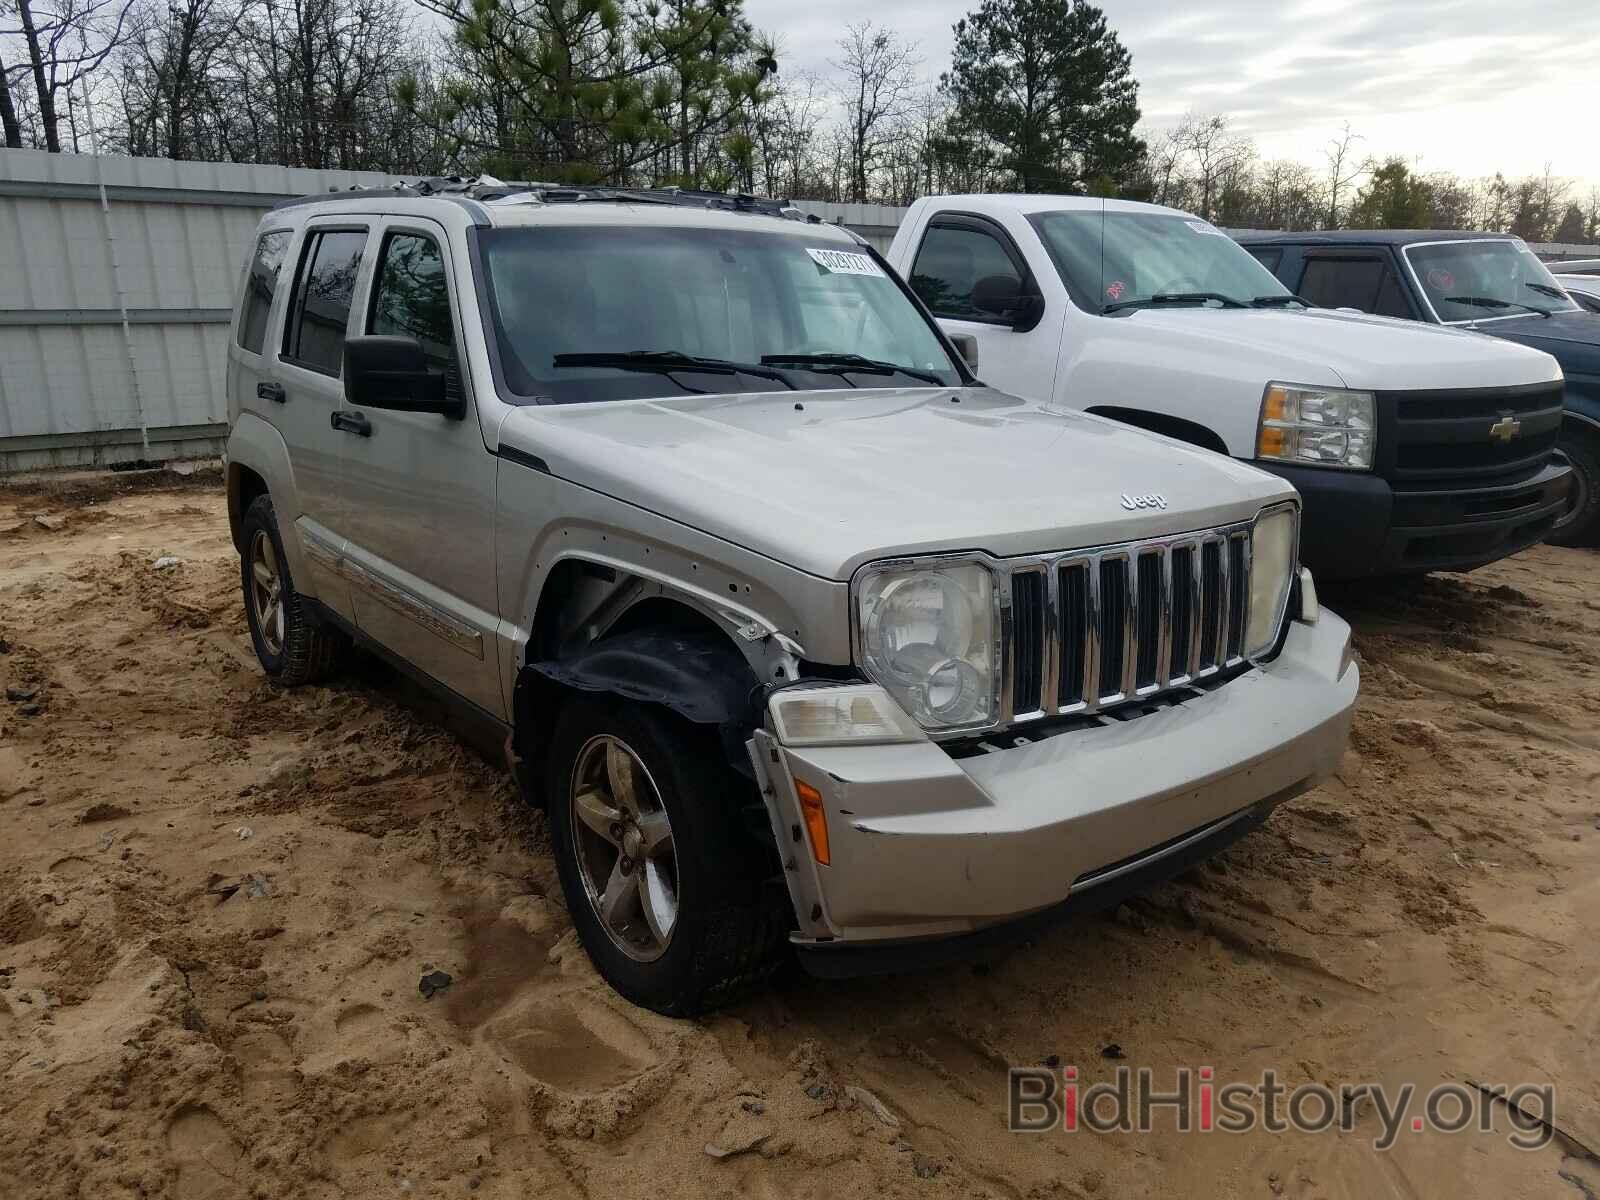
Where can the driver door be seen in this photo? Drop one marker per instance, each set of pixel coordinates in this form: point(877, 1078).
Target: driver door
point(418, 488)
point(956, 252)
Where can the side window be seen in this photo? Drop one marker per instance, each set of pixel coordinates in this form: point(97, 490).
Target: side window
point(1392, 300)
point(260, 287)
point(1268, 256)
point(313, 334)
point(1364, 283)
point(411, 297)
point(950, 261)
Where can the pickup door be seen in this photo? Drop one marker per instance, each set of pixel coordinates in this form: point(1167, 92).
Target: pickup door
point(944, 264)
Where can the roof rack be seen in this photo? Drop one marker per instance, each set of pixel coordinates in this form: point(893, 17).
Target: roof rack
point(488, 189)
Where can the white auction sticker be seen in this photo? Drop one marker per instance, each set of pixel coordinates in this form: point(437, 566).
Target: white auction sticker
point(1206, 228)
point(843, 262)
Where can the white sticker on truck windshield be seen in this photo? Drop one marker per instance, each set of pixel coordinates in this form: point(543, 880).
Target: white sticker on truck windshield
point(1204, 227)
point(843, 262)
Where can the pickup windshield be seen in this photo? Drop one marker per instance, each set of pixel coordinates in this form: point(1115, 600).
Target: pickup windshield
point(1489, 277)
point(616, 312)
point(1121, 261)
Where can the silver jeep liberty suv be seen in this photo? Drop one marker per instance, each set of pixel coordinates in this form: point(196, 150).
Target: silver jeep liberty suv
point(806, 639)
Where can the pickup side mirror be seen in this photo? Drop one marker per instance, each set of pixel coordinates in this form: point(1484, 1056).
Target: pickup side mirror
point(967, 346)
point(1004, 296)
point(384, 371)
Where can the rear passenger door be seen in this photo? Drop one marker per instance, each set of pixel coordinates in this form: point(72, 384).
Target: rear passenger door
point(419, 488)
point(307, 392)
point(1364, 280)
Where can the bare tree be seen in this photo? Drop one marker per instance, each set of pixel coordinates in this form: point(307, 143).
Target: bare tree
point(66, 44)
point(878, 89)
point(1343, 170)
point(1218, 154)
point(9, 124)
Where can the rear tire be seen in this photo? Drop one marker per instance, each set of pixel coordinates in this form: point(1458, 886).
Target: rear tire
point(1580, 525)
point(293, 648)
point(729, 926)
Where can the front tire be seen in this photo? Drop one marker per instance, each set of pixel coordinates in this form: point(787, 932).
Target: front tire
point(668, 895)
point(1579, 524)
point(292, 648)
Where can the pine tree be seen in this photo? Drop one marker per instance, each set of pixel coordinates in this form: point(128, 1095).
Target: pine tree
point(1049, 86)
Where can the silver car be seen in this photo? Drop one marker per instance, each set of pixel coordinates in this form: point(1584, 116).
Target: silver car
point(805, 638)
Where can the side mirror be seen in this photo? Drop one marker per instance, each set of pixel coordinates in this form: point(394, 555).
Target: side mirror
point(967, 346)
point(383, 371)
point(1003, 295)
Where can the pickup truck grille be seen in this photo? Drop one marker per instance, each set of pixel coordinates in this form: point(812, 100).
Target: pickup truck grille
point(1090, 629)
point(1467, 433)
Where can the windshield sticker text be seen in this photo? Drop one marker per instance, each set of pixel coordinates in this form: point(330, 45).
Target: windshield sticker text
point(1205, 228)
point(843, 262)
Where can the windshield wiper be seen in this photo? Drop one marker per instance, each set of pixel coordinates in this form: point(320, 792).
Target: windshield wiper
point(1177, 298)
point(1494, 302)
point(667, 361)
point(839, 364)
point(1544, 289)
point(1282, 301)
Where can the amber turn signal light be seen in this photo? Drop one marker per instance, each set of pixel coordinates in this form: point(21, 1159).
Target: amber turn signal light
point(816, 819)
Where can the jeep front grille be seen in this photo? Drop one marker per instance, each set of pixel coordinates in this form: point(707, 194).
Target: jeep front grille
point(1089, 629)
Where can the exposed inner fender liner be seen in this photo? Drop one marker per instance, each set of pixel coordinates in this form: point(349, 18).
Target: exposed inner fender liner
point(703, 678)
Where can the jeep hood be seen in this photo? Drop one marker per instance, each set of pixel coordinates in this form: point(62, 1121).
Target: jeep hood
point(1365, 352)
point(826, 481)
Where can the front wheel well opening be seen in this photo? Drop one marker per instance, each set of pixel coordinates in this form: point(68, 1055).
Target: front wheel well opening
point(658, 651)
point(244, 485)
point(1191, 432)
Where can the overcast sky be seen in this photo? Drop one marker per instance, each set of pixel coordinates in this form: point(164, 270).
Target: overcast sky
point(1471, 86)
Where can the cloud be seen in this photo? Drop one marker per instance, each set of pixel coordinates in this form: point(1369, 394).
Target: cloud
point(1472, 86)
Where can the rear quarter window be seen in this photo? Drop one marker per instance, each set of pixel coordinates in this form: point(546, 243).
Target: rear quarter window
point(259, 288)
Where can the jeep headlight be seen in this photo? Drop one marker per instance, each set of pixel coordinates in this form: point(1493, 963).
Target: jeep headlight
point(1316, 427)
point(1273, 543)
point(929, 635)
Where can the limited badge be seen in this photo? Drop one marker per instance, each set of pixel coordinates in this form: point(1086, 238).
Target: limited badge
point(844, 262)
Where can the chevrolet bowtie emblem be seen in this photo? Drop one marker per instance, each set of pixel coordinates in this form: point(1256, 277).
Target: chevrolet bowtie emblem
point(1505, 429)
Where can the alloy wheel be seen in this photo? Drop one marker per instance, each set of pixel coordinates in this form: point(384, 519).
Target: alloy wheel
point(624, 848)
point(266, 592)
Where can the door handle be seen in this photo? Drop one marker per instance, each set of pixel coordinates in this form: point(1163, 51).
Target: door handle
point(271, 391)
point(351, 422)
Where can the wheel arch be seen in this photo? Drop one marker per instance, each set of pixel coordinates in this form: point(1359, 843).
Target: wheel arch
point(601, 629)
point(1191, 432)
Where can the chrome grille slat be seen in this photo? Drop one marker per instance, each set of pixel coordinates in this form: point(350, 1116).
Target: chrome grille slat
point(1099, 612)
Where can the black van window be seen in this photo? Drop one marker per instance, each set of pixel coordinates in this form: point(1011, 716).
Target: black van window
point(1368, 284)
point(314, 333)
point(260, 287)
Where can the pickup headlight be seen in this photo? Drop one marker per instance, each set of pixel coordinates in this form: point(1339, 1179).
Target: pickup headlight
point(930, 635)
point(1318, 427)
point(1273, 544)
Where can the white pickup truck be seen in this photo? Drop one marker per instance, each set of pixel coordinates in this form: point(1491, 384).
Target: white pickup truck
point(1415, 448)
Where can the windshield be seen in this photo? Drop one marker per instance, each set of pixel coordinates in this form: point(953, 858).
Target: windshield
point(1112, 260)
point(1468, 281)
point(614, 312)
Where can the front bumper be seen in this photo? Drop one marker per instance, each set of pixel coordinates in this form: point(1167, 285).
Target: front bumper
point(1354, 524)
point(926, 847)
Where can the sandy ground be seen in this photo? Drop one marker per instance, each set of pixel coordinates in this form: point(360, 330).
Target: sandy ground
point(217, 899)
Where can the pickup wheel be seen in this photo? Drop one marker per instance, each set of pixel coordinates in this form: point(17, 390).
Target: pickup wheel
point(292, 648)
point(668, 898)
point(1579, 523)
